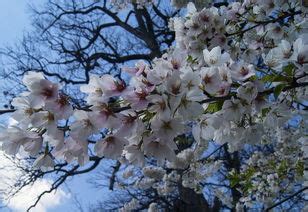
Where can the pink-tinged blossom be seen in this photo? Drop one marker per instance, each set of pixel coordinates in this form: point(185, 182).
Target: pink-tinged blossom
point(278, 115)
point(240, 71)
point(188, 105)
point(25, 109)
point(94, 89)
point(272, 60)
point(137, 98)
point(45, 119)
point(159, 149)
point(110, 147)
point(167, 128)
point(129, 123)
point(233, 109)
point(134, 155)
point(203, 129)
point(206, 16)
point(61, 107)
point(83, 126)
point(224, 89)
point(113, 87)
point(195, 25)
point(177, 60)
point(139, 69)
point(232, 13)
point(260, 102)
point(190, 79)
point(220, 40)
point(284, 50)
point(41, 90)
point(44, 162)
point(102, 116)
point(250, 55)
point(14, 137)
point(56, 139)
point(33, 146)
point(73, 149)
point(275, 31)
point(227, 134)
point(174, 85)
point(159, 105)
point(211, 79)
point(159, 72)
point(253, 134)
point(225, 75)
point(32, 76)
point(247, 91)
point(300, 53)
point(142, 81)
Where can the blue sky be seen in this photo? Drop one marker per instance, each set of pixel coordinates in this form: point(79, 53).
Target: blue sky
point(14, 21)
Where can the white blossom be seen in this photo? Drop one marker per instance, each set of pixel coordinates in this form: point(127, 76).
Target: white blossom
point(215, 57)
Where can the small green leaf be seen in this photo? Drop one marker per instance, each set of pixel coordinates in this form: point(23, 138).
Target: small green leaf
point(214, 107)
point(147, 116)
point(278, 89)
point(247, 187)
point(275, 78)
point(249, 173)
point(253, 78)
point(289, 69)
point(234, 180)
point(300, 168)
point(282, 168)
point(265, 111)
point(190, 59)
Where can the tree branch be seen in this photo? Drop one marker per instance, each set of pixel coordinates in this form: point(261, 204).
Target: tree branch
point(286, 199)
point(113, 176)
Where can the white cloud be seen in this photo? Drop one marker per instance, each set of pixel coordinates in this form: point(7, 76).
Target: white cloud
point(27, 196)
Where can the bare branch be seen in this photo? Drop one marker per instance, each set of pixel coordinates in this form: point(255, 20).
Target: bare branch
point(286, 199)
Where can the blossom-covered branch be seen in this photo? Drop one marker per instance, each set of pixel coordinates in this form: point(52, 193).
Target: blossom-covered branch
point(232, 86)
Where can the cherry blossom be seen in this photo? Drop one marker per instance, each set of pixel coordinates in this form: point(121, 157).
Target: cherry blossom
point(44, 162)
point(40, 88)
point(84, 125)
point(14, 137)
point(210, 79)
point(234, 81)
point(215, 57)
point(110, 147)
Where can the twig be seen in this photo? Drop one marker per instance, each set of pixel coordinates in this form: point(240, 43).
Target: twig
point(113, 176)
point(286, 199)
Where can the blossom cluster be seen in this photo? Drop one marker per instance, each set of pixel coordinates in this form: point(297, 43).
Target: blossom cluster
point(236, 76)
point(267, 173)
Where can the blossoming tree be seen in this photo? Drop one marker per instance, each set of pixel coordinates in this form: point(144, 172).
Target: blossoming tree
point(215, 120)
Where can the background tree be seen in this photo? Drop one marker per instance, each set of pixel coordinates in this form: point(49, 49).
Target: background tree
point(72, 39)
